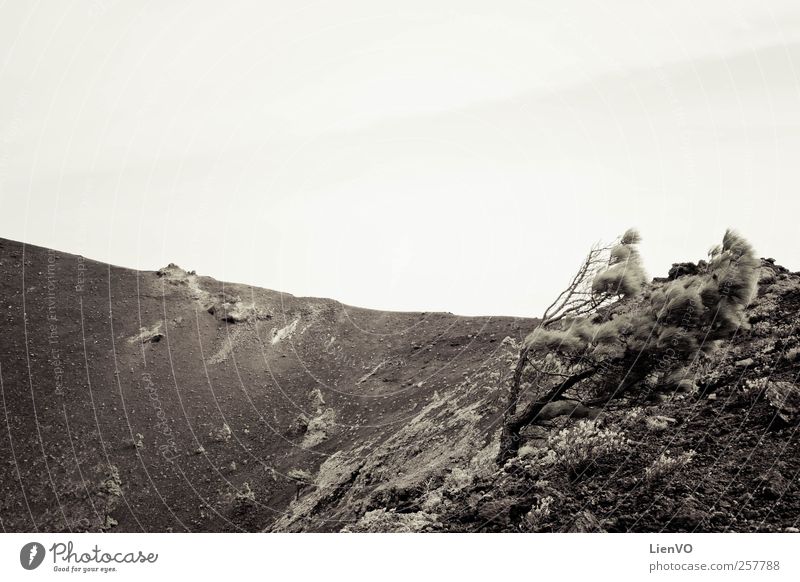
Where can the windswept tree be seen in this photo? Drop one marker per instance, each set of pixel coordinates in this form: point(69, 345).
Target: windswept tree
point(610, 330)
point(590, 289)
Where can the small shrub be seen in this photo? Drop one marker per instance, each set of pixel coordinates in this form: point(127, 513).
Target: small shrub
point(753, 390)
point(432, 501)
point(533, 520)
point(632, 417)
point(666, 465)
point(585, 442)
point(658, 423)
point(457, 480)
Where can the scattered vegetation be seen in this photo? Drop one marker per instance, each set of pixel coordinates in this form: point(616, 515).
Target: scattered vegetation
point(595, 350)
point(457, 480)
point(753, 389)
point(665, 465)
point(592, 459)
point(541, 510)
point(584, 443)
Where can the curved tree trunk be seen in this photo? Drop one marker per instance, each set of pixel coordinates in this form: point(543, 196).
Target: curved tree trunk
point(507, 438)
point(513, 424)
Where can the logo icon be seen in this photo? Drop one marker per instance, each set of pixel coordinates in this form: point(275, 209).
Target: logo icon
point(31, 555)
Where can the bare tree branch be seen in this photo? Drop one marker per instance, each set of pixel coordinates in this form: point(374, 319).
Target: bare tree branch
point(576, 300)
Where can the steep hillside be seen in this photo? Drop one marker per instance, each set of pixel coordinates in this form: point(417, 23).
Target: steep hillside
point(718, 452)
point(167, 401)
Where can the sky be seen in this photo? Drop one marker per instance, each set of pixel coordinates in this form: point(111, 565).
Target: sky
point(419, 156)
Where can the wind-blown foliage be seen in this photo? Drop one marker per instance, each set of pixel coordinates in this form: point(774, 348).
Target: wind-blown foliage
point(607, 272)
point(652, 333)
point(625, 275)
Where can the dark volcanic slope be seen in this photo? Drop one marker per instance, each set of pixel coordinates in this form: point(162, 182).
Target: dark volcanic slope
point(166, 401)
point(141, 401)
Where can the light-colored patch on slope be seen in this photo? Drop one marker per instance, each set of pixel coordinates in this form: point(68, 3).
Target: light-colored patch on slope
point(150, 334)
point(278, 335)
point(319, 429)
point(235, 336)
point(174, 274)
point(223, 306)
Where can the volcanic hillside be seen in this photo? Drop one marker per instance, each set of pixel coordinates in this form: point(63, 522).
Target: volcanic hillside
point(158, 401)
point(168, 401)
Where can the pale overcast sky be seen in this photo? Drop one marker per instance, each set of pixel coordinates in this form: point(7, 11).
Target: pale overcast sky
point(435, 155)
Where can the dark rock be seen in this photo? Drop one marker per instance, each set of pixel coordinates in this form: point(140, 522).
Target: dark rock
point(682, 269)
point(689, 519)
point(689, 516)
point(774, 485)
